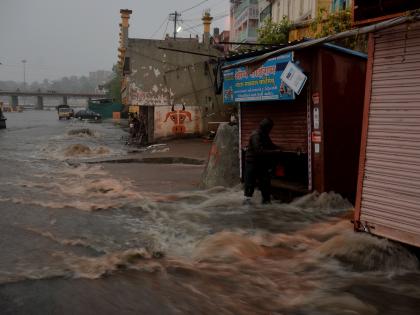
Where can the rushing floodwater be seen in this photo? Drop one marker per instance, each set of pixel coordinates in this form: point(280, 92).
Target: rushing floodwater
point(75, 239)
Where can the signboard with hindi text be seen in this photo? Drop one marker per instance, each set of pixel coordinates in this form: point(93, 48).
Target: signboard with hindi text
point(243, 84)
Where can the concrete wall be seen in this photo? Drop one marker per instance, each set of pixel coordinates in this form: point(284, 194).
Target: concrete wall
point(222, 167)
point(161, 78)
point(177, 121)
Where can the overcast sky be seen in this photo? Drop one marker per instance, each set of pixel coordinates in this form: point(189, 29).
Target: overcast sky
point(72, 37)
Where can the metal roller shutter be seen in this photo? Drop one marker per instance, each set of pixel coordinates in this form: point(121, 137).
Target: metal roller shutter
point(390, 198)
point(290, 123)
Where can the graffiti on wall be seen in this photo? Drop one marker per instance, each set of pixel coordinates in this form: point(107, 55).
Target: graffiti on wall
point(166, 118)
point(178, 117)
point(156, 97)
point(148, 99)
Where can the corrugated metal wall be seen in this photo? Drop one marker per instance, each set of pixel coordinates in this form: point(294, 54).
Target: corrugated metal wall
point(290, 123)
point(390, 195)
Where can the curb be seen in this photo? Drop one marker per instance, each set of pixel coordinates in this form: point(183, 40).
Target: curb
point(146, 160)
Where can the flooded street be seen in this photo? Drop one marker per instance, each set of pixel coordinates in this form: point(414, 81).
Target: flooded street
point(77, 238)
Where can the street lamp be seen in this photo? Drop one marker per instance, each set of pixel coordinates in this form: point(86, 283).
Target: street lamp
point(24, 79)
point(24, 74)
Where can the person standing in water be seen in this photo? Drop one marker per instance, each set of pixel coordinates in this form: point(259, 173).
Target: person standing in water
point(258, 162)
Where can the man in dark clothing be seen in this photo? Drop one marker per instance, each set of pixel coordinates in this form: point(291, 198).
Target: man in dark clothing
point(135, 129)
point(258, 161)
point(141, 136)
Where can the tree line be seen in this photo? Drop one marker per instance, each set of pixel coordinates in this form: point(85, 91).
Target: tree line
point(71, 84)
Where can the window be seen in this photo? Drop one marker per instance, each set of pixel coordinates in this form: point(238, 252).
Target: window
point(266, 13)
point(338, 5)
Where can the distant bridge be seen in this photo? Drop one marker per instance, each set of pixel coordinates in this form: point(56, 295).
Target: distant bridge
point(14, 96)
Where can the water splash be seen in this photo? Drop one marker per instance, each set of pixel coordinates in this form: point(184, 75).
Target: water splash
point(96, 267)
point(83, 132)
point(363, 252)
point(77, 150)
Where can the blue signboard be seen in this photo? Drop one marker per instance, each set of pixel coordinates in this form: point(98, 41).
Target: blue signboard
point(262, 84)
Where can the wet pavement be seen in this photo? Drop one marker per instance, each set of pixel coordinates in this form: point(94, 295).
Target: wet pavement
point(137, 238)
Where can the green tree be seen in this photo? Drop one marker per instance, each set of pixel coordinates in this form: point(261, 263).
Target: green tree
point(330, 23)
point(274, 33)
point(114, 85)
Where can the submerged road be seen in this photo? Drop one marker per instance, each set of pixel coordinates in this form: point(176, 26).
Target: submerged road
point(79, 238)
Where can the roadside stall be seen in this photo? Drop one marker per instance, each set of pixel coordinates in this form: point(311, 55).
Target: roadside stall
point(317, 115)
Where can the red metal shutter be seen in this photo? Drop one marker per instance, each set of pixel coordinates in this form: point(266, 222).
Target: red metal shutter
point(390, 196)
point(290, 123)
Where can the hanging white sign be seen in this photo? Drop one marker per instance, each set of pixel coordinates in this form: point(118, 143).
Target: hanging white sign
point(293, 77)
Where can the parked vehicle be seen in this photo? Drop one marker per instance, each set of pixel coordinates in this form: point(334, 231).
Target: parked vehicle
point(87, 114)
point(65, 112)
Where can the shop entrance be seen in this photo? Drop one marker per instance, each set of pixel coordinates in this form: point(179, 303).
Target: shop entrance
point(290, 170)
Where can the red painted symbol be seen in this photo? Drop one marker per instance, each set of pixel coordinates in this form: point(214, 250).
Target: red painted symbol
point(178, 117)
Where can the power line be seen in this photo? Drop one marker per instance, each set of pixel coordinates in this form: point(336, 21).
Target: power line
point(200, 24)
point(218, 3)
point(189, 28)
point(155, 32)
point(166, 28)
point(175, 17)
point(195, 6)
point(210, 7)
point(216, 15)
point(192, 27)
point(216, 18)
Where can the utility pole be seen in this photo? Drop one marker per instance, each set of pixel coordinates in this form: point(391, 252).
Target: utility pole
point(174, 17)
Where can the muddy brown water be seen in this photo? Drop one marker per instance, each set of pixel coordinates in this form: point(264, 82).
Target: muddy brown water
point(82, 239)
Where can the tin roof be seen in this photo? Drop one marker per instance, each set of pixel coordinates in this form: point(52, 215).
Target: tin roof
point(261, 50)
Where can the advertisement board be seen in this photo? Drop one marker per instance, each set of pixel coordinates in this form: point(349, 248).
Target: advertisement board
point(262, 84)
point(294, 77)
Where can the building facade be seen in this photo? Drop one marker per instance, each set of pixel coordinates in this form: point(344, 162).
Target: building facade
point(244, 19)
point(265, 9)
point(221, 41)
point(299, 12)
point(171, 83)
